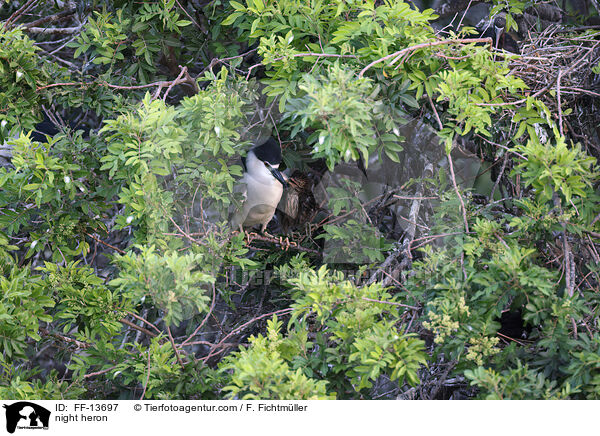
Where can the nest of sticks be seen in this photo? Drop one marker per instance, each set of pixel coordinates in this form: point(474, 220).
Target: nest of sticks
point(561, 60)
point(558, 66)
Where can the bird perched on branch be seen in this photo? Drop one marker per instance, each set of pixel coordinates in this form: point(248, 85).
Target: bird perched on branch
point(261, 186)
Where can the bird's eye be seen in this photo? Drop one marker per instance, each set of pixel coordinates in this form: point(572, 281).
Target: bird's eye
point(267, 164)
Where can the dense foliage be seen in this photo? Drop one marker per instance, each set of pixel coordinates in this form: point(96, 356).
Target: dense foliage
point(121, 277)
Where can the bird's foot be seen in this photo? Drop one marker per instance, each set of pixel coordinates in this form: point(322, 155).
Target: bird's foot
point(250, 237)
point(267, 234)
point(286, 243)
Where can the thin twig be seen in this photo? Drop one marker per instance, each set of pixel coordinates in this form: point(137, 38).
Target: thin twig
point(137, 327)
point(397, 55)
point(560, 121)
point(510, 339)
point(401, 197)
point(175, 348)
point(214, 351)
point(104, 371)
point(161, 84)
point(118, 250)
point(303, 55)
point(50, 18)
point(144, 321)
point(437, 117)
point(414, 214)
point(147, 376)
point(451, 166)
point(195, 241)
point(202, 28)
point(212, 306)
point(569, 264)
point(464, 14)
point(79, 344)
point(22, 10)
point(53, 30)
point(173, 83)
point(462, 203)
point(391, 303)
point(504, 161)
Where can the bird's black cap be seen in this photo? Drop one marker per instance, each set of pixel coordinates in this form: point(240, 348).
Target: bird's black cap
point(269, 152)
point(500, 22)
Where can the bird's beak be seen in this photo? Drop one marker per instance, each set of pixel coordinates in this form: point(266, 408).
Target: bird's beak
point(499, 32)
point(277, 174)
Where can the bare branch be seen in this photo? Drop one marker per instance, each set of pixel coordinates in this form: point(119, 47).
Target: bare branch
point(399, 54)
point(53, 30)
point(50, 19)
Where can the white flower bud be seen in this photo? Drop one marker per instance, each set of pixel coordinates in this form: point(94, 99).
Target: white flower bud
point(67, 180)
point(396, 131)
point(19, 75)
point(129, 219)
point(321, 139)
point(33, 244)
point(218, 131)
point(3, 123)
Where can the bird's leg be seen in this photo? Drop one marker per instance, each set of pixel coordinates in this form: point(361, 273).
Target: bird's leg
point(264, 232)
point(238, 232)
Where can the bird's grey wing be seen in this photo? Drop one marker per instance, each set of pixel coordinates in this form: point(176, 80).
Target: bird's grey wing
point(241, 188)
point(236, 209)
